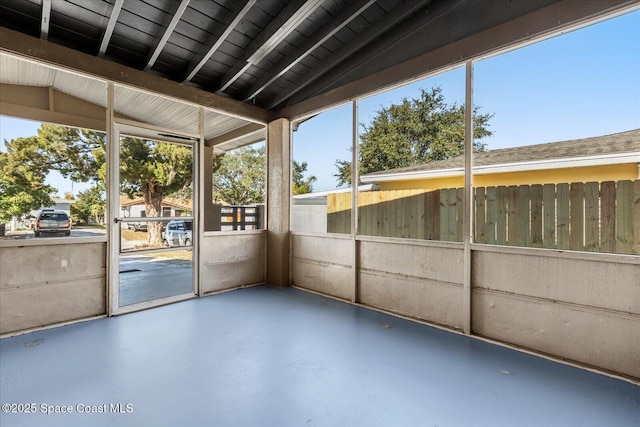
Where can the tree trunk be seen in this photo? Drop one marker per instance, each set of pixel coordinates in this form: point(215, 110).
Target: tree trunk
point(153, 205)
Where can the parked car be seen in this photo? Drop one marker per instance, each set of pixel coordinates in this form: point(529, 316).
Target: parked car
point(137, 226)
point(52, 221)
point(178, 233)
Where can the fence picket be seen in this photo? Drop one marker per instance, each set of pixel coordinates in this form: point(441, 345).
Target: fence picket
point(492, 214)
point(512, 216)
point(535, 192)
point(549, 207)
point(480, 223)
point(523, 212)
point(501, 222)
point(608, 216)
point(591, 217)
point(562, 216)
point(636, 218)
point(576, 230)
point(624, 224)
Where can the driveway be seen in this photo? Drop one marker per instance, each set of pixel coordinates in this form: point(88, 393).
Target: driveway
point(145, 278)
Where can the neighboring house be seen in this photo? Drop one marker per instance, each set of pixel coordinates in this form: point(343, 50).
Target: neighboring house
point(613, 157)
point(309, 211)
point(576, 195)
point(171, 206)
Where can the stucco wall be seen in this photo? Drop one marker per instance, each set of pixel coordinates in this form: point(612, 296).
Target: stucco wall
point(586, 310)
point(41, 285)
point(552, 176)
point(230, 260)
point(322, 263)
point(576, 306)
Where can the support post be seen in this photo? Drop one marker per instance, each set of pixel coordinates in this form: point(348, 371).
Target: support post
point(354, 202)
point(278, 201)
point(468, 196)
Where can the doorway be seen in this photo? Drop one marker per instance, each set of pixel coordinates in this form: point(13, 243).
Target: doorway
point(153, 227)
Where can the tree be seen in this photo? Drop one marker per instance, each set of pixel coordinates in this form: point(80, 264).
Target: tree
point(414, 132)
point(301, 185)
point(153, 169)
point(147, 168)
point(90, 205)
point(239, 178)
point(22, 187)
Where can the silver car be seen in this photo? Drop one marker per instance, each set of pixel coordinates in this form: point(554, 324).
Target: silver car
point(50, 221)
point(178, 233)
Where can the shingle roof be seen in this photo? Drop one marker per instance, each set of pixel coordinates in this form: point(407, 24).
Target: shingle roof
point(623, 142)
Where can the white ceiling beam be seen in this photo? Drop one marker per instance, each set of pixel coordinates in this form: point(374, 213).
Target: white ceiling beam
point(45, 21)
point(193, 70)
point(335, 25)
point(167, 33)
point(106, 38)
point(391, 19)
point(277, 31)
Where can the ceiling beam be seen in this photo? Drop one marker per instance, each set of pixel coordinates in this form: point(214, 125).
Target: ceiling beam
point(234, 134)
point(215, 41)
point(115, 12)
point(336, 24)
point(277, 31)
point(389, 20)
point(45, 21)
point(529, 28)
point(176, 16)
point(17, 43)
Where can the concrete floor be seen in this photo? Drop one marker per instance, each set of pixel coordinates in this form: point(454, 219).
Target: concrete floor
point(284, 357)
point(145, 278)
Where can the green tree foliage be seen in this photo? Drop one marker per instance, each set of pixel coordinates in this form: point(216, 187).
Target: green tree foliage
point(89, 206)
point(147, 168)
point(77, 154)
point(153, 170)
point(22, 176)
point(416, 131)
point(240, 177)
point(301, 185)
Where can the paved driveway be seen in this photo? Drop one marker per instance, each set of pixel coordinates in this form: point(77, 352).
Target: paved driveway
point(145, 278)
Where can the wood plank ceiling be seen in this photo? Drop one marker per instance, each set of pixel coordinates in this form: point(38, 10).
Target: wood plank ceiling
point(268, 53)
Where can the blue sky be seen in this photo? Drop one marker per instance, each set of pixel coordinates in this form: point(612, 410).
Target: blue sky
point(584, 83)
point(580, 84)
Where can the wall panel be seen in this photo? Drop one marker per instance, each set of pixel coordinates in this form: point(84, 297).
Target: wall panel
point(231, 260)
point(53, 283)
point(323, 264)
point(412, 279)
point(584, 310)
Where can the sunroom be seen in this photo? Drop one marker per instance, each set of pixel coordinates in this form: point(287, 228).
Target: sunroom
point(362, 305)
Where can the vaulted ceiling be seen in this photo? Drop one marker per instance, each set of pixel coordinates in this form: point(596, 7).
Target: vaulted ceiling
point(274, 54)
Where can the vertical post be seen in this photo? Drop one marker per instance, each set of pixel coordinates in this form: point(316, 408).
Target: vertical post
point(468, 196)
point(354, 201)
point(278, 201)
point(113, 187)
point(199, 199)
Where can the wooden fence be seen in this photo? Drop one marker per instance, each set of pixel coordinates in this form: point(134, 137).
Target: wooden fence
point(598, 217)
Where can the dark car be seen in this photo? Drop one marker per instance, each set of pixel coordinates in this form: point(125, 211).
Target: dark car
point(50, 221)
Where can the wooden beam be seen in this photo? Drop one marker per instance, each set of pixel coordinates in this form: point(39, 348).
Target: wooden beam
point(528, 28)
point(63, 57)
point(45, 20)
point(108, 32)
point(234, 134)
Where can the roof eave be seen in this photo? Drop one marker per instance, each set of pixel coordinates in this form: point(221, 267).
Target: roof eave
point(538, 165)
